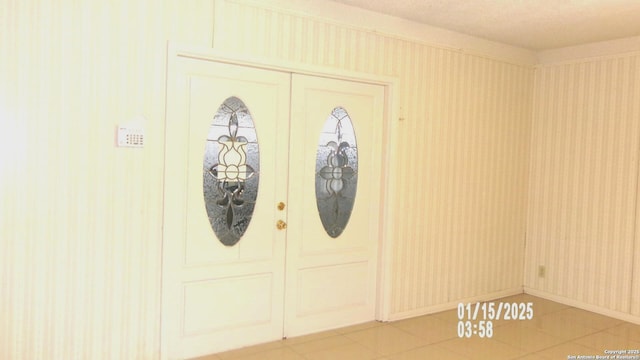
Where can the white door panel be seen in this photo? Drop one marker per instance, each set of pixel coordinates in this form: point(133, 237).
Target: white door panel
point(218, 297)
point(331, 282)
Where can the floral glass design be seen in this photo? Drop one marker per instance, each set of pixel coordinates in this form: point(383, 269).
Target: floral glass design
point(336, 172)
point(231, 171)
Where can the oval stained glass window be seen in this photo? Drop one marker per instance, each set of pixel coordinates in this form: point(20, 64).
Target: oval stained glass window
point(336, 172)
point(231, 170)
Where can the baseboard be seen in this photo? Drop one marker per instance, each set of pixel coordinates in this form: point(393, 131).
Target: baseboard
point(584, 306)
point(454, 304)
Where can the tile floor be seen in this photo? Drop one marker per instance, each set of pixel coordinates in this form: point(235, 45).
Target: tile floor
point(555, 332)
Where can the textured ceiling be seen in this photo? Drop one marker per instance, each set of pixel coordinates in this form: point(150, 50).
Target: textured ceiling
point(530, 24)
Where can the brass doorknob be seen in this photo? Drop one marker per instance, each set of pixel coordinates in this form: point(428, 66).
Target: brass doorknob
point(280, 206)
point(281, 225)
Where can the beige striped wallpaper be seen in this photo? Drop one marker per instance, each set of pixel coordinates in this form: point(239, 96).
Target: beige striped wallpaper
point(81, 220)
point(583, 193)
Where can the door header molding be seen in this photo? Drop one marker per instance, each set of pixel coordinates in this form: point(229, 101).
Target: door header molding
point(198, 52)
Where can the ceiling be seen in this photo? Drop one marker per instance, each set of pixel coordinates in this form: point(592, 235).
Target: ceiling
point(531, 24)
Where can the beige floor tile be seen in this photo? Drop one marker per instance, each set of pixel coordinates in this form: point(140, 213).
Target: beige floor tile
point(234, 354)
point(274, 354)
point(626, 330)
point(562, 351)
point(358, 327)
point(429, 327)
point(590, 319)
point(320, 344)
point(386, 340)
point(427, 352)
point(560, 325)
point(532, 357)
point(482, 349)
point(311, 337)
point(526, 338)
point(207, 357)
point(606, 341)
point(346, 352)
point(449, 316)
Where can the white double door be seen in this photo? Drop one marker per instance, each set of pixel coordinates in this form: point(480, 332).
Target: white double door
point(273, 283)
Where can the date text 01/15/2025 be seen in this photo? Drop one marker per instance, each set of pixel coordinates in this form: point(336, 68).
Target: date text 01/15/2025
point(479, 316)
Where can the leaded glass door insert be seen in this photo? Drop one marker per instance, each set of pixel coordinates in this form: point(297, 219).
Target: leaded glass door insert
point(231, 171)
point(336, 172)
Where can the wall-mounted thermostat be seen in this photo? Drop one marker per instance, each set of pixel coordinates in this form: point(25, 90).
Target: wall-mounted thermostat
point(130, 136)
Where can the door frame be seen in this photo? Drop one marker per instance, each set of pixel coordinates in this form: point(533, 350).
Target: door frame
point(391, 119)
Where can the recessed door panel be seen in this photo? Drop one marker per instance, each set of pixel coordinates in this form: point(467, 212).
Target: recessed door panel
point(203, 316)
point(219, 296)
point(348, 291)
point(331, 277)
